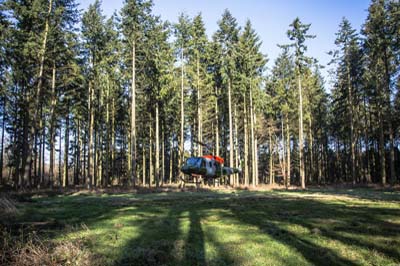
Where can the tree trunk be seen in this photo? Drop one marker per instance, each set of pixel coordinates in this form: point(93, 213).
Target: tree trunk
point(59, 182)
point(113, 138)
point(236, 176)
point(163, 166)
point(151, 174)
point(157, 159)
point(253, 155)
point(255, 151)
point(143, 165)
point(182, 140)
point(271, 161)
point(216, 124)
point(78, 153)
point(3, 123)
point(108, 141)
point(42, 177)
point(382, 147)
point(284, 171)
point(90, 180)
point(199, 122)
point(301, 146)
point(288, 164)
point(171, 160)
point(351, 115)
point(231, 148)
point(35, 159)
point(366, 141)
point(246, 144)
point(66, 149)
point(39, 180)
point(311, 176)
point(84, 181)
point(133, 115)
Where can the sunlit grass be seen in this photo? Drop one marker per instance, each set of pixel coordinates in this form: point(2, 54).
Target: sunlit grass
point(314, 227)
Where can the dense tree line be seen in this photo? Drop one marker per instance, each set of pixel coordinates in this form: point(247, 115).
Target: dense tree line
point(95, 101)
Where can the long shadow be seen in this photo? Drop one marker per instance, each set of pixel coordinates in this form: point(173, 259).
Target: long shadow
point(157, 243)
point(164, 243)
point(194, 248)
point(316, 254)
point(159, 240)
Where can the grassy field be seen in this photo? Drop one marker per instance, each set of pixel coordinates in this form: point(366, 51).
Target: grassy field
point(313, 227)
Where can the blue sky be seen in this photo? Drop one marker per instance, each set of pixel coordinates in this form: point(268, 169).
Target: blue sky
point(270, 18)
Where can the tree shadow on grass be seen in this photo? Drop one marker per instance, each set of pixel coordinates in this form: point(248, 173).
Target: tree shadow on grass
point(157, 243)
point(285, 213)
point(194, 248)
point(314, 254)
point(175, 239)
point(159, 239)
point(163, 242)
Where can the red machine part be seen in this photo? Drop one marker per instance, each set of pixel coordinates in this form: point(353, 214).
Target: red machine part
point(217, 158)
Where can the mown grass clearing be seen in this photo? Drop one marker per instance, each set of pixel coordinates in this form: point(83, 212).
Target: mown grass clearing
point(313, 227)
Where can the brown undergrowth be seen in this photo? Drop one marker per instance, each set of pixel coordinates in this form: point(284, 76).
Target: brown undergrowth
point(28, 248)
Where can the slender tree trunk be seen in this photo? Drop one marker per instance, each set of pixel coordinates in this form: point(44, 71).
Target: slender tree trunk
point(182, 140)
point(151, 174)
point(246, 144)
point(301, 145)
point(216, 124)
point(66, 149)
point(255, 151)
point(113, 138)
point(320, 149)
point(236, 147)
point(99, 159)
point(253, 155)
point(143, 165)
point(39, 137)
point(133, 115)
point(35, 160)
point(366, 141)
point(351, 115)
point(382, 148)
point(171, 160)
point(78, 153)
point(163, 166)
point(42, 177)
point(311, 176)
point(89, 181)
point(52, 129)
point(3, 123)
point(288, 164)
point(106, 179)
point(157, 159)
point(271, 156)
point(84, 181)
point(59, 182)
point(231, 148)
point(284, 171)
point(23, 169)
point(199, 118)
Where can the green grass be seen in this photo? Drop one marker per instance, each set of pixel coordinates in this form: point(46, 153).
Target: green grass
point(313, 227)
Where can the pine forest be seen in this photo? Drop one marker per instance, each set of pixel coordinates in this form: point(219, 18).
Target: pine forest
point(93, 101)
